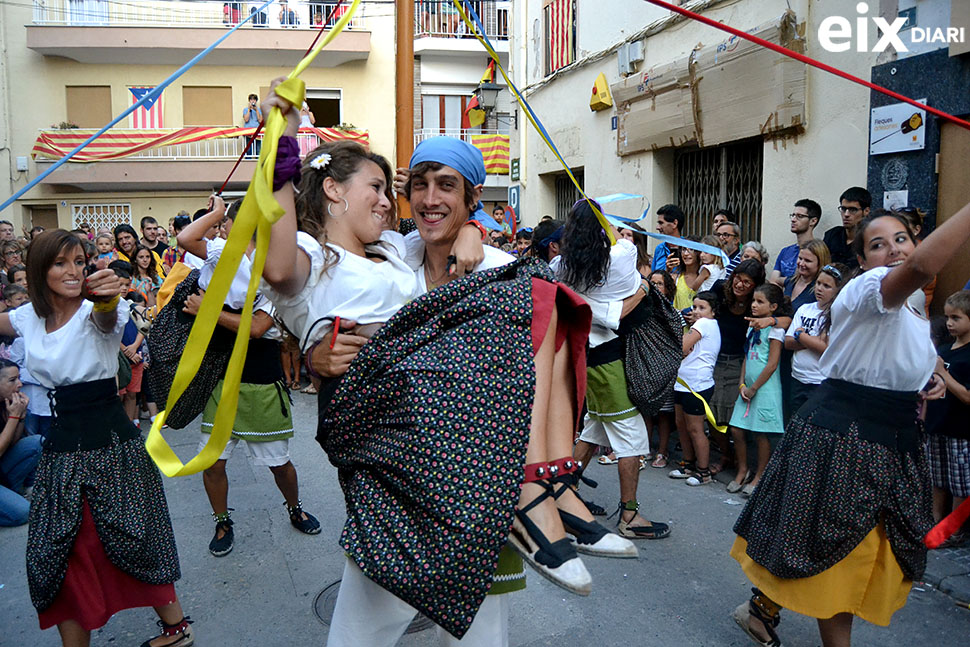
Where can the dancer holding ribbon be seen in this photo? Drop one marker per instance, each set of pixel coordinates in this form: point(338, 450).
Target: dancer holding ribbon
point(857, 472)
point(430, 465)
point(100, 538)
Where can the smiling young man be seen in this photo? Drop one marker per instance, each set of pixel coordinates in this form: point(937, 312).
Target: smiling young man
point(854, 205)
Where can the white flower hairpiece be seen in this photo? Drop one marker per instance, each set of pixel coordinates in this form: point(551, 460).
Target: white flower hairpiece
point(321, 161)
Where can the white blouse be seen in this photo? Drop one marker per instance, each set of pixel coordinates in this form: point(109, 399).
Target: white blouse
point(876, 346)
point(74, 353)
point(622, 280)
point(355, 288)
point(236, 297)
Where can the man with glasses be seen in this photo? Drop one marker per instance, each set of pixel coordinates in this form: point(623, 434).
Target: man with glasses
point(854, 205)
point(729, 235)
point(670, 220)
point(804, 218)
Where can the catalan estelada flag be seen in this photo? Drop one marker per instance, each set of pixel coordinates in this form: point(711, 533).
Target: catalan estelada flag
point(149, 114)
point(495, 151)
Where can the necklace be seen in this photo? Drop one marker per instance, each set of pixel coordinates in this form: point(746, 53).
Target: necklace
point(433, 282)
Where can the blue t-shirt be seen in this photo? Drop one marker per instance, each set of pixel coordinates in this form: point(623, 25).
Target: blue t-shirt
point(787, 260)
point(660, 255)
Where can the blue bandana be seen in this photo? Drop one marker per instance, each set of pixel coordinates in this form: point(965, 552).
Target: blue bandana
point(464, 158)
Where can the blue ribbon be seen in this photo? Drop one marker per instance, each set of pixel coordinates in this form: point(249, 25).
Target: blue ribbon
point(148, 98)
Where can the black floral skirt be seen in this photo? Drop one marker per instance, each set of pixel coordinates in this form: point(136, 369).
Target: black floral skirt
point(848, 459)
point(429, 429)
point(121, 485)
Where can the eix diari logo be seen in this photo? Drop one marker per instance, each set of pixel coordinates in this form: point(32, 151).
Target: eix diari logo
point(835, 33)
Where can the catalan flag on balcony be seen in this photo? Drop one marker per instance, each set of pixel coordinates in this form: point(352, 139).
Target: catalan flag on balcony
point(495, 151)
point(117, 144)
point(560, 33)
point(149, 114)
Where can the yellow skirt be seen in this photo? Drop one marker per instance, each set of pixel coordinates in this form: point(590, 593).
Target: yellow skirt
point(867, 583)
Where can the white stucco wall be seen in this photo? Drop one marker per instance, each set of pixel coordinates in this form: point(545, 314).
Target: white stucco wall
point(829, 157)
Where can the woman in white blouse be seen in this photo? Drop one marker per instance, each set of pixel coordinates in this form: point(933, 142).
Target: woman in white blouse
point(100, 537)
point(835, 528)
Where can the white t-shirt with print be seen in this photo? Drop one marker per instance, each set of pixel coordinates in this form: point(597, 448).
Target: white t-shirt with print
point(804, 363)
point(697, 369)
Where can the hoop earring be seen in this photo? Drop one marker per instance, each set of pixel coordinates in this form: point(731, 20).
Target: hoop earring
point(346, 208)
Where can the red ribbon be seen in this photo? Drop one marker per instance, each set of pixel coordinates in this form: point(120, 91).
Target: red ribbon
point(809, 61)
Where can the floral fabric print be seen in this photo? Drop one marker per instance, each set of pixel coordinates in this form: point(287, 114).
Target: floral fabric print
point(429, 429)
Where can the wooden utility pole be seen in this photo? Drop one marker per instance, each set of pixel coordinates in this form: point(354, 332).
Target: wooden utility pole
point(404, 99)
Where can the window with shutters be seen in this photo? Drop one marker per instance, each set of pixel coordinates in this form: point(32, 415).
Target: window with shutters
point(721, 177)
point(101, 216)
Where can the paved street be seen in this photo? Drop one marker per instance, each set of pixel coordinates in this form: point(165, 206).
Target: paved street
point(680, 591)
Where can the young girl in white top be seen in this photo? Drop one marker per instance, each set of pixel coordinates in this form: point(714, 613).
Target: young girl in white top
point(701, 346)
point(712, 263)
point(851, 461)
point(808, 334)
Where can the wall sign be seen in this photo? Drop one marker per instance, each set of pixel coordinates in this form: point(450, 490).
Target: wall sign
point(897, 128)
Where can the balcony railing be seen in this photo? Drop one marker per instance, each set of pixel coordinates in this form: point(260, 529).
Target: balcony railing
point(186, 13)
point(222, 148)
point(440, 19)
point(465, 134)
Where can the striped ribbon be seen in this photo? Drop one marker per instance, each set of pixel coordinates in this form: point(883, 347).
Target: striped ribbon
point(124, 143)
point(257, 214)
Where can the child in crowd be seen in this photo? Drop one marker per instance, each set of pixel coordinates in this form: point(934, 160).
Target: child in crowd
point(14, 296)
point(106, 247)
point(701, 346)
point(20, 452)
point(17, 275)
point(948, 436)
point(808, 334)
point(122, 270)
point(712, 263)
point(663, 421)
point(759, 405)
point(523, 241)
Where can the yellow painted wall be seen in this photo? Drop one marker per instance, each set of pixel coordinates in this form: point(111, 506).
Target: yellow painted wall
point(36, 99)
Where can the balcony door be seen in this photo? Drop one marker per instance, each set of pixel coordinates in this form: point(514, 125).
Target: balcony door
point(441, 115)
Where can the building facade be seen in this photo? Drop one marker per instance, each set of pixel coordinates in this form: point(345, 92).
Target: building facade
point(699, 117)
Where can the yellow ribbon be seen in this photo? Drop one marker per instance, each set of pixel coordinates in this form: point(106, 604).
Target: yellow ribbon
point(257, 214)
point(473, 29)
point(707, 409)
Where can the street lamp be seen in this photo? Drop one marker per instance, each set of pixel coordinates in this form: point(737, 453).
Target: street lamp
point(488, 99)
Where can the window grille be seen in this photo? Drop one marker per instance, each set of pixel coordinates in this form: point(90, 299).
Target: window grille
point(566, 193)
point(101, 216)
point(728, 176)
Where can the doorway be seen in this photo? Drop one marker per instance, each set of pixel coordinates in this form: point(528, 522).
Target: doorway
point(951, 196)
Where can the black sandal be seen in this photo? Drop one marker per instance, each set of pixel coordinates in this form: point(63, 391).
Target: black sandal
point(556, 561)
point(179, 628)
point(591, 537)
point(762, 608)
point(656, 529)
point(309, 525)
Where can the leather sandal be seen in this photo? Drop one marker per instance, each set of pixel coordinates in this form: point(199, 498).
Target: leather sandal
point(590, 537)
point(556, 561)
point(302, 520)
point(180, 629)
point(766, 611)
point(656, 529)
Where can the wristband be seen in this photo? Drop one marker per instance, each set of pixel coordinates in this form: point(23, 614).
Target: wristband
point(774, 320)
point(797, 334)
point(287, 163)
point(107, 306)
point(942, 379)
point(308, 361)
point(479, 227)
point(14, 418)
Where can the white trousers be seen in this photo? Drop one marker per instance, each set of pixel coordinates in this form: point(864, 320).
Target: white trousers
point(367, 615)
